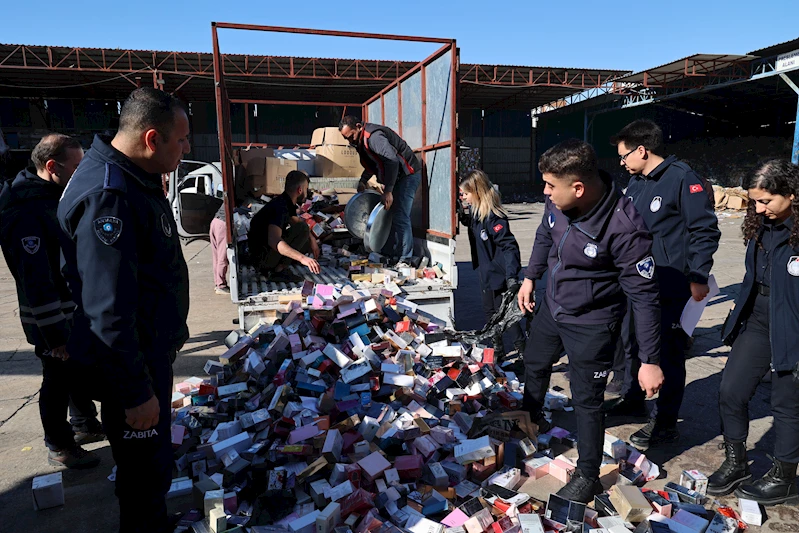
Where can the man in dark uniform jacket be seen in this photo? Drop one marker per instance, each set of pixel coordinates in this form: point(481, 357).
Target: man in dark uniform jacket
point(676, 205)
point(597, 250)
point(129, 279)
point(31, 241)
point(386, 155)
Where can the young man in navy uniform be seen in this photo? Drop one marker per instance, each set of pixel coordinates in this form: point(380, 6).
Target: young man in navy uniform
point(130, 282)
point(30, 237)
point(676, 205)
point(598, 252)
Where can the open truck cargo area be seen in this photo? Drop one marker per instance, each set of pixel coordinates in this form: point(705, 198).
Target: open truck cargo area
point(421, 106)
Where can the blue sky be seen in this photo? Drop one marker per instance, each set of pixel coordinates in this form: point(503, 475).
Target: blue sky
point(580, 33)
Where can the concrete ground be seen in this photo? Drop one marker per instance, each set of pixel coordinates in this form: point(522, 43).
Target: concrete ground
point(91, 505)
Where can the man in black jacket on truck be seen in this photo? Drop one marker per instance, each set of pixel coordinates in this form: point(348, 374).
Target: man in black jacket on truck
point(386, 155)
point(676, 205)
point(31, 241)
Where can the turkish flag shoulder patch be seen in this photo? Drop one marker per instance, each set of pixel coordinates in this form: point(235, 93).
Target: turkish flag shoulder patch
point(695, 188)
point(497, 228)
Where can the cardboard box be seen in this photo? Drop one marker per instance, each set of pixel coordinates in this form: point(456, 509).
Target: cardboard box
point(306, 159)
point(268, 171)
point(328, 136)
point(48, 491)
point(334, 161)
point(335, 158)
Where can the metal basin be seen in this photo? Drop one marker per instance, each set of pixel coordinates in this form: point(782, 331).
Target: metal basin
point(356, 214)
point(378, 227)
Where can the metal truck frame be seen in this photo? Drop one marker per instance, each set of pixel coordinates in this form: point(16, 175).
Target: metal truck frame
point(421, 105)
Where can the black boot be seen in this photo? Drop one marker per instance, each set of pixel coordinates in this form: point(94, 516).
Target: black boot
point(581, 488)
point(732, 472)
point(652, 434)
point(777, 486)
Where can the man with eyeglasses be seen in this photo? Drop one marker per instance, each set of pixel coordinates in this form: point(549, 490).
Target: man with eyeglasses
point(30, 238)
point(677, 206)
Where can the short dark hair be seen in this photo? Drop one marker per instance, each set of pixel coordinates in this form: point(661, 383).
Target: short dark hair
point(349, 120)
point(53, 146)
point(294, 179)
point(149, 108)
point(570, 158)
point(642, 132)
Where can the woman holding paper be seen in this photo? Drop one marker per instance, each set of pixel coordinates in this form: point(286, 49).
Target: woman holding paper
point(762, 329)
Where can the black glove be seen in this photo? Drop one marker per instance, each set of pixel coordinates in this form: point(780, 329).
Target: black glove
point(513, 284)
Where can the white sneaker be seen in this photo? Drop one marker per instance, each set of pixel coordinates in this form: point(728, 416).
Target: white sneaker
point(222, 290)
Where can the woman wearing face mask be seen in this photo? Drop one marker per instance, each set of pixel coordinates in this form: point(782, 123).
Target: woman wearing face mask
point(762, 329)
point(495, 252)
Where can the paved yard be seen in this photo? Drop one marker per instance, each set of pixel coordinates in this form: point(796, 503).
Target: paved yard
point(90, 502)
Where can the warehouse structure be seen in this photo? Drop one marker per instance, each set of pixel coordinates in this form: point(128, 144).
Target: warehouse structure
point(720, 113)
point(78, 90)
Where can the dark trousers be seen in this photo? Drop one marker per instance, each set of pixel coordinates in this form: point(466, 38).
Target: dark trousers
point(590, 348)
point(491, 300)
point(297, 236)
point(748, 362)
point(673, 342)
point(61, 391)
point(143, 458)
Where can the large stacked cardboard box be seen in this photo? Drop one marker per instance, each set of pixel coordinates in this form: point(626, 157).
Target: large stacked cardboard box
point(335, 158)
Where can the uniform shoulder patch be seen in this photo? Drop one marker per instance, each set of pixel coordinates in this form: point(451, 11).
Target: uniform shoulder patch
point(793, 265)
point(497, 228)
point(646, 267)
point(114, 178)
point(695, 188)
point(31, 244)
point(108, 229)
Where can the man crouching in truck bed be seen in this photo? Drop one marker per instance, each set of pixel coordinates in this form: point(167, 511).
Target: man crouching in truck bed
point(277, 235)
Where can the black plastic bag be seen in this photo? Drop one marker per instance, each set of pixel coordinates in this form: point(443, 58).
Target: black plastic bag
point(506, 316)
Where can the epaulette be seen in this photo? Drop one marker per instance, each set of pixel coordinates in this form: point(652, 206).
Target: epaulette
point(114, 178)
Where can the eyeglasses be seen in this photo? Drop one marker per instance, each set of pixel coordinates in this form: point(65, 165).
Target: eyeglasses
point(624, 157)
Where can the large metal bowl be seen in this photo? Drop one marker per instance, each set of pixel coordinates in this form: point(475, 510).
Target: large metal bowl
point(378, 227)
point(357, 211)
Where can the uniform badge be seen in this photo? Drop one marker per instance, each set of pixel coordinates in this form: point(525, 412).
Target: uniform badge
point(497, 228)
point(483, 235)
point(657, 201)
point(107, 229)
point(646, 267)
point(551, 220)
point(590, 250)
point(793, 265)
point(165, 225)
point(695, 188)
point(31, 244)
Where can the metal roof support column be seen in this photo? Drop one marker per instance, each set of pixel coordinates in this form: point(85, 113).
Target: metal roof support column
point(795, 148)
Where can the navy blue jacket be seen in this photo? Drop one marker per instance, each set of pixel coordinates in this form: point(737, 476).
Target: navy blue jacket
point(677, 209)
point(593, 262)
point(495, 252)
point(783, 302)
point(31, 241)
point(125, 267)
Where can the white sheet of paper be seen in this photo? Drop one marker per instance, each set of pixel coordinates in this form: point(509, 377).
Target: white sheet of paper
point(693, 309)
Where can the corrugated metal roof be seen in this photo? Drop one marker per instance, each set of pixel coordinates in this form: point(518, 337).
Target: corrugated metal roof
point(697, 64)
